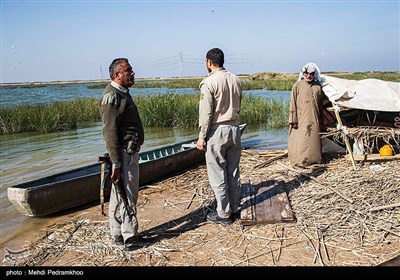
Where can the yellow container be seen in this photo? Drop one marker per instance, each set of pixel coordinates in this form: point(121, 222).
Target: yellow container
point(386, 150)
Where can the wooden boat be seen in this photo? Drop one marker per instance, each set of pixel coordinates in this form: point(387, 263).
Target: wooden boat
point(80, 186)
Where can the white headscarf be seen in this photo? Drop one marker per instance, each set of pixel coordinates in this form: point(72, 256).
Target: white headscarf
point(309, 68)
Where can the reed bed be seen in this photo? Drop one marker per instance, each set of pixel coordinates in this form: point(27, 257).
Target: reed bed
point(168, 110)
point(391, 76)
point(47, 118)
point(162, 110)
point(341, 220)
point(248, 84)
point(269, 84)
point(258, 110)
point(162, 83)
point(62, 116)
point(263, 80)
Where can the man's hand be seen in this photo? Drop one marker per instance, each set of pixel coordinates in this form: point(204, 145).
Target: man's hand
point(115, 175)
point(201, 144)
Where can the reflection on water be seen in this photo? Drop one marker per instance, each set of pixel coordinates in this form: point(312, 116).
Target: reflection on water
point(25, 157)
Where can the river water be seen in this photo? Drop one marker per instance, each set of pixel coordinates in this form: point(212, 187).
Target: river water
point(29, 156)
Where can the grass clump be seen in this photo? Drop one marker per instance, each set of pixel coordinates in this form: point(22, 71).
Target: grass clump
point(47, 118)
point(258, 110)
point(168, 110)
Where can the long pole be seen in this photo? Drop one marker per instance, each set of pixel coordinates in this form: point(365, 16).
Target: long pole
point(346, 139)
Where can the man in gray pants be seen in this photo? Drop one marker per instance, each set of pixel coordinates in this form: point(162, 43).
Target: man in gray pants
point(219, 136)
point(123, 134)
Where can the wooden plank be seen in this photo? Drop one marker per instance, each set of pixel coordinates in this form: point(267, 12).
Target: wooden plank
point(392, 262)
point(247, 203)
point(374, 157)
point(264, 202)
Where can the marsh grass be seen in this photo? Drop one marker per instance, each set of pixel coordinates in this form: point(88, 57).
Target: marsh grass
point(390, 76)
point(164, 83)
point(258, 110)
point(161, 110)
point(47, 118)
point(285, 81)
point(264, 80)
point(248, 84)
point(269, 84)
point(168, 110)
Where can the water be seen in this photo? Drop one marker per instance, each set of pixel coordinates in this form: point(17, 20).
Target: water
point(13, 96)
point(29, 156)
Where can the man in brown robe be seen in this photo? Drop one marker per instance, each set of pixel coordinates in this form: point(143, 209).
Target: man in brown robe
point(305, 118)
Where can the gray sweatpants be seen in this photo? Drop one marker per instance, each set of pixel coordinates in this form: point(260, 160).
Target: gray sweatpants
point(130, 173)
point(222, 158)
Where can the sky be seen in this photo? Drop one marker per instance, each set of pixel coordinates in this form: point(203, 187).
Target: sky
point(77, 40)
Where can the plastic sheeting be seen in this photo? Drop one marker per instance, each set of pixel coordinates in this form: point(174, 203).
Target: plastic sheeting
point(367, 94)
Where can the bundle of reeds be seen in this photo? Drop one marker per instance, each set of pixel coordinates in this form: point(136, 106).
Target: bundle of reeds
point(369, 137)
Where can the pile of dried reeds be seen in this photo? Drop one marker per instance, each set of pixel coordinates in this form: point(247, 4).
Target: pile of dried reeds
point(345, 217)
point(367, 137)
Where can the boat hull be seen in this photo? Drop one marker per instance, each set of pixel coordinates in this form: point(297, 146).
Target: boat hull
point(80, 186)
point(52, 194)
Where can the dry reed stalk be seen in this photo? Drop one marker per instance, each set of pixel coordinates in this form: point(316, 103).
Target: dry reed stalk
point(271, 160)
point(272, 255)
point(384, 207)
point(321, 238)
point(317, 254)
point(280, 238)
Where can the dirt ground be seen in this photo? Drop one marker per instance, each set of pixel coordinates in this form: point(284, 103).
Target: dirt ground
point(336, 224)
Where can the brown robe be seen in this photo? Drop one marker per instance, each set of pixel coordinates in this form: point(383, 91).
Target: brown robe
point(304, 143)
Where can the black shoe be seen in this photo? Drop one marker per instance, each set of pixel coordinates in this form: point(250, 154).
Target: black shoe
point(235, 216)
point(135, 242)
point(119, 240)
point(213, 217)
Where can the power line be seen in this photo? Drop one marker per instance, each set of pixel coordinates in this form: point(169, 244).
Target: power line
point(181, 59)
point(101, 72)
point(180, 65)
point(178, 60)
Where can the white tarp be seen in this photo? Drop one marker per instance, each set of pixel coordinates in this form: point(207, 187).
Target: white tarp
point(368, 94)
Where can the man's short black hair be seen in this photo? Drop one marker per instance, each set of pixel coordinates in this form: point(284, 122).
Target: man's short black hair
point(216, 56)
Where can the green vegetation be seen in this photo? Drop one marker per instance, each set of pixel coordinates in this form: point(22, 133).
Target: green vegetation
point(268, 84)
point(164, 110)
point(164, 83)
point(48, 118)
point(285, 81)
point(23, 86)
point(264, 80)
point(258, 110)
point(168, 110)
point(393, 76)
point(248, 84)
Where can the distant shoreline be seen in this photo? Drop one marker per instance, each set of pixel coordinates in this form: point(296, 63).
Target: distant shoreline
point(270, 74)
point(53, 82)
point(86, 81)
